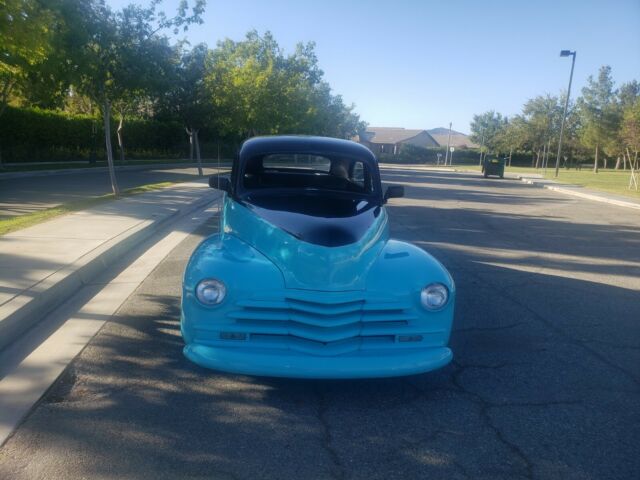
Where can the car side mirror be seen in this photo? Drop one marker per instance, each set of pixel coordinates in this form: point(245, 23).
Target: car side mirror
point(220, 182)
point(393, 191)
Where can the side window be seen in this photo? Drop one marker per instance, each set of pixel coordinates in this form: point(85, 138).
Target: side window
point(357, 173)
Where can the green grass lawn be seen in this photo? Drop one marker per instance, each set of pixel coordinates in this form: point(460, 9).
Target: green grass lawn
point(612, 181)
point(11, 224)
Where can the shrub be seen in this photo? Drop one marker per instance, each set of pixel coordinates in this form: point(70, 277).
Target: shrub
point(32, 135)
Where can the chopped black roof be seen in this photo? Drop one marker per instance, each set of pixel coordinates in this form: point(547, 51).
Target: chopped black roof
point(257, 146)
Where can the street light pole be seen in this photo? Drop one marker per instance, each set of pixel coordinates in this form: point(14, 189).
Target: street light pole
point(565, 53)
point(481, 147)
point(446, 154)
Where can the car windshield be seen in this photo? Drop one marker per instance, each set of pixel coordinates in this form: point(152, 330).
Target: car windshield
point(304, 171)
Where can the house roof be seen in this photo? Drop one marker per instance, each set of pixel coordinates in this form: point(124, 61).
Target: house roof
point(390, 134)
point(393, 135)
point(457, 140)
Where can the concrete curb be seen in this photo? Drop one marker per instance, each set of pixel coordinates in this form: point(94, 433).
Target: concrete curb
point(27, 309)
point(588, 196)
point(407, 166)
point(568, 191)
point(133, 168)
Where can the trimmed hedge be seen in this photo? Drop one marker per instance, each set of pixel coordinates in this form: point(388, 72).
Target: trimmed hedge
point(32, 135)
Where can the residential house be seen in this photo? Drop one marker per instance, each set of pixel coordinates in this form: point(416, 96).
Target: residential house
point(458, 139)
point(389, 140)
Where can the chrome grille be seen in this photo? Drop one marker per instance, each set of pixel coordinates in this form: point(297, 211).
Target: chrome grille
point(319, 324)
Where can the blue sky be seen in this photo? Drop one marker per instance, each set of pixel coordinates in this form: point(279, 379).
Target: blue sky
point(422, 64)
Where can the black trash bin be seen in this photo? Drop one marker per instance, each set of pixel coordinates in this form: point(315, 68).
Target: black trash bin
point(493, 166)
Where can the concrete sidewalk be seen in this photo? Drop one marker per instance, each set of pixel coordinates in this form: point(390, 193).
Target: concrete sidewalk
point(539, 180)
point(41, 266)
point(579, 191)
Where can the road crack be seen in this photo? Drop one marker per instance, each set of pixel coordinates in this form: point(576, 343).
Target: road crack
point(484, 407)
point(321, 414)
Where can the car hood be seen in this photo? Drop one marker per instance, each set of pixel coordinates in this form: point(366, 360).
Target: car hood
point(331, 253)
point(321, 220)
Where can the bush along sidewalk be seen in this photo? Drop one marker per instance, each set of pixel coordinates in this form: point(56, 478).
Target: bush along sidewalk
point(35, 135)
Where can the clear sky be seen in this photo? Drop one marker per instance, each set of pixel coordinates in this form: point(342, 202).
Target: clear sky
point(423, 64)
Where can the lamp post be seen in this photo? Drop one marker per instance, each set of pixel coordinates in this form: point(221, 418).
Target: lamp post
point(446, 153)
point(565, 53)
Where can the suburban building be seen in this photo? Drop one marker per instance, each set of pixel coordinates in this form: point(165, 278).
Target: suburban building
point(388, 139)
point(458, 139)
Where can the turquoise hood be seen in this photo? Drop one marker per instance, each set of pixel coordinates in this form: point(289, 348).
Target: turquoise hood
point(306, 265)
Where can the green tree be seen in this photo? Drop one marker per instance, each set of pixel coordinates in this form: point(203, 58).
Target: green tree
point(628, 94)
point(257, 89)
point(510, 136)
point(600, 115)
point(627, 99)
point(542, 116)
point(187, 97)
point(630, 130)
point(116, 54)
point(25, 41)
point(486, 130)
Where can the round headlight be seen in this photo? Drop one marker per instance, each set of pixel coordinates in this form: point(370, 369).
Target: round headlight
point(434, 296)
point(210, 291)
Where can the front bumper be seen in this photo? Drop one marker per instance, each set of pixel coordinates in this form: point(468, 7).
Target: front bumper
point(286, 363)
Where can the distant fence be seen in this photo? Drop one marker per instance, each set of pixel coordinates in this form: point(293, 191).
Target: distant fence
point(34, 135)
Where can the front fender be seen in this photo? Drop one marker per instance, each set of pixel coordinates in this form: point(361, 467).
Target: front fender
point(403, 270)
point(402, 267)
point(242, 269)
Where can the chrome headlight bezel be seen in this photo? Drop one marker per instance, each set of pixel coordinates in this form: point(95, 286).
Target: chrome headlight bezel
point(432, 292)
point(205, 287)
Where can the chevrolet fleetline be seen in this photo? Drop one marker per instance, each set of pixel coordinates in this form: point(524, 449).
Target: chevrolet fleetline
point(302, 279)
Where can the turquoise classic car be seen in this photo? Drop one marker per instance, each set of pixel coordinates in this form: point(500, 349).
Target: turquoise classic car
point(303, 280)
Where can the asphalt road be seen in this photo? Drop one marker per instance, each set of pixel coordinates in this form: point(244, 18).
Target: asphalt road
point(19, 196)
point(545, 383)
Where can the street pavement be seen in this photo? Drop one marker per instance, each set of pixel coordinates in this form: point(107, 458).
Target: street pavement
point(19, 196)
point(545, 382)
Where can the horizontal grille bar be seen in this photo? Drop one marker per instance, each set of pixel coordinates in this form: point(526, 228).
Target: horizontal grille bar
point(321, 323)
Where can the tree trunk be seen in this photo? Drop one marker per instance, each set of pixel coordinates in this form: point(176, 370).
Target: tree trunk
point(537, 158)
point(190, 133)
point(546, 157)
point(617, 167)
point(107, 137)
point(604, 162)
point(595, 164)
point(197, 142)
point(510, 152)
point(5, 92)
point(120, 139)
point(624, 162)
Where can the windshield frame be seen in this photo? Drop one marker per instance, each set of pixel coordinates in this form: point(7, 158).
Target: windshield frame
point(243, 192)
point(304, 145)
